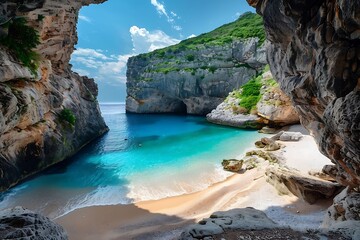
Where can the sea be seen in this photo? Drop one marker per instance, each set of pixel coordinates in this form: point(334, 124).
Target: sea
point(143, 157)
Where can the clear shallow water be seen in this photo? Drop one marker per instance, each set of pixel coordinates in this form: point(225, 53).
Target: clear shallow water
point(143, 157)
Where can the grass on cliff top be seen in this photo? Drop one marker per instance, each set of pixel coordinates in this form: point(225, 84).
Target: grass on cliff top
point(249, 25)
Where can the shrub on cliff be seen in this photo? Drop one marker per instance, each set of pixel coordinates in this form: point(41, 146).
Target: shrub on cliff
point(68, 116)
point(21, 40)
point(249, 94)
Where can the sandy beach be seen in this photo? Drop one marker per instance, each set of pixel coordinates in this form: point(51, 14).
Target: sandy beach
point(164, 218)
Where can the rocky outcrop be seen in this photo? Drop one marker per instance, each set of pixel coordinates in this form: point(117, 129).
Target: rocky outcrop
point(287, 136)
point(20, 223)
point(34, 131)
point(249, 223)
point(176, 84)
point(194, 76)
point(268, 144)
point(308, 188)
point(346, 207)
point(314, 53)
point(232, 165)
point(225, 115)
point(236, 219)
point(273, 108)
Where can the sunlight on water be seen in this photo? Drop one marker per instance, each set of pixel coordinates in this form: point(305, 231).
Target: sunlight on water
point(143, 157)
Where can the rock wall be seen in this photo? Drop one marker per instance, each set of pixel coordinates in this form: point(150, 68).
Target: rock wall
point(274, 108)
point(33, 135)
point(20, 223)
point(191, 81)
point(314, 53)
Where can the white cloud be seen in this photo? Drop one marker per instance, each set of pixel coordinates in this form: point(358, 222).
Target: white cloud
point(160, 8)
point(95, 63)
point(174, 14)
point(145, 41)
point(92, 53)
point(191, 36)
point(84, 18)
point(177, 28)
point(237, 15)
point(110, 68)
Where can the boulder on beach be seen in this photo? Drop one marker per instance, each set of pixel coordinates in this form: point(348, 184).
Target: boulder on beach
point(232, 165)
point(308, 188)
point(287, 136)
point(267, 144)
point(20, 223)
point(268, 130)
point(235, 219)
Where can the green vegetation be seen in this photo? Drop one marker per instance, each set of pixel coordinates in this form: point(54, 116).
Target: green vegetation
point(40, 18)
point(271, 82)
point(266, 68)
point(190, 57)
point(247, 26)
point(21, 40)
point(212, 69)
point(250, 93)
point(68, 116)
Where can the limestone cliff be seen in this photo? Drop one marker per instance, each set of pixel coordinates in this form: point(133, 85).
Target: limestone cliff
point(197, 74)
point(314, 53)
point(35, 129)
point(264, 104)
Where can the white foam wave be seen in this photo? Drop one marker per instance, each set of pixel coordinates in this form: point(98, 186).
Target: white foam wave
point(144, 190)
point(155, 189)
point(111, 195)
point(8, 199)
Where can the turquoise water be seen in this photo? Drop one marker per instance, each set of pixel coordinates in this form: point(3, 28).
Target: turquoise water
point(143, 157)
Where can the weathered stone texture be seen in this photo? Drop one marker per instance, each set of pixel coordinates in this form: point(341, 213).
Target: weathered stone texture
point(33, 136)
point(20, 223)
point(314, 53)
point(191, 86)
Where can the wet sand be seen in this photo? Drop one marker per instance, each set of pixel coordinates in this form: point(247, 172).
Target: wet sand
point(164, 218)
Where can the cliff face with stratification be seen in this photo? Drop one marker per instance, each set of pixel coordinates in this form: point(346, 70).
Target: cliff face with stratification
point(314, 53)
point(33, 134)
point(196, 75)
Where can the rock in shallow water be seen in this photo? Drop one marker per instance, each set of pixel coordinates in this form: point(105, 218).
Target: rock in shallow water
point(20, 223)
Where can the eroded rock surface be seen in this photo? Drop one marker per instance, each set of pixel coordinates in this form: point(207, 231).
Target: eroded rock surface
point(20, 223)
point(174, 82)
point(249, 223)
point(274, 108)
point(346, 207)
point(220, 222)
point(314, 53)
point(308, 188)
point(33, 133)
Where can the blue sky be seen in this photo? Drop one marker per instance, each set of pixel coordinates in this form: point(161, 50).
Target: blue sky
point(111, 32)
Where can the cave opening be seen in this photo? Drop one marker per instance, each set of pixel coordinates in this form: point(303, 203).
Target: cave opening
point(182, 108)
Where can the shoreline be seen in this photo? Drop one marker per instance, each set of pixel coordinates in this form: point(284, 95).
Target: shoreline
point(164, 218)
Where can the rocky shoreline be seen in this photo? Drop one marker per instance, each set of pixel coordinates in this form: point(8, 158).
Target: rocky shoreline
point(273, 109)
point(310, 187)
